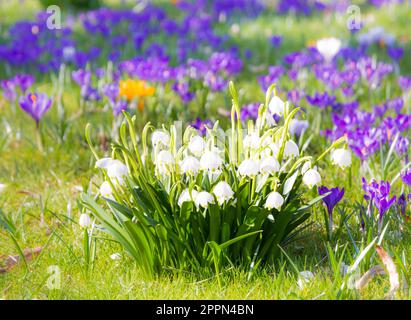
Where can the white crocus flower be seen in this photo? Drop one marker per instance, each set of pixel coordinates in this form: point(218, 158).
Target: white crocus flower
point(276, 106)
point(248, 168)
point(274, 200)
point(197, 145)
point(190, 165)
point(269, 165)
point(186, 196)
point(84, 220)
point(223, 192)
point(341, 157)
point(203, 199)
point(291, 149)
point(105, 190)
point(311, 178)
point(328, 48)
point(211, 161)
point(159, 137)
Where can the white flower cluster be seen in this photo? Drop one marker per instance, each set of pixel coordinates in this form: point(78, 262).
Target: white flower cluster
point(264, 158)
point(260, 161)
point(116, 172)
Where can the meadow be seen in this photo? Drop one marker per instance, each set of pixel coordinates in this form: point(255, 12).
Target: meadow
point(96, 204)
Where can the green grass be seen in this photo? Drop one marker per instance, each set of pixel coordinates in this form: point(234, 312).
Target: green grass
point(41, 187)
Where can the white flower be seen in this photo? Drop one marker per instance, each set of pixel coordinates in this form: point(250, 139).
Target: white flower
point(269, 165)
point(186, 197)
point(160, 137)
point(291, 149)
point(274, 148)
point(341, 157)
point(197, 145)
point(165, 157)
point(304, 278)
point(190, 165)
point(164, 161)
point(251, 141)
point(248, 168)
point(210, 160)
point(311, 178)
point(103, 163)
point(306, 166)
point(328, 47)
point(2, 187)
point(203, 199)
point(105, 190)
point(274, 200)
point(276, 106)
point(115, 168)
point(223, 192)
point(84, 220)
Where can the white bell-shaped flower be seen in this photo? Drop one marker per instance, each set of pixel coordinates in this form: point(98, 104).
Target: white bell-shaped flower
point(275, 148)
point(291, 149)
point(105, 190)
point(190, 165)
point(306, 166)
point(274, 200)
point(341, 157)
point(276, 106)
point(251, 141)
point(186, 196)
point(269, 165)
point(165, 157)
point(103, 163)
point(248, 168)
point(223, 192)
point(159, 137)
point(203, 199)
point(311, 178)
point(197, 145)
point(117, 170)
point(84, 221)
point(165, 161)
point(211, 161)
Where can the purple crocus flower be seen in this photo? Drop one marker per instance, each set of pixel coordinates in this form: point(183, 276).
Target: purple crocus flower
point(24, 81)
point(404, 83)
point(119, 106)
point(402, 203)
point(395, 53)
point(406, 177)
point(276, 41)
point(378, 194)
point(36, 105)
point(249, 111)
point(201, 125)
point(331, 200)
